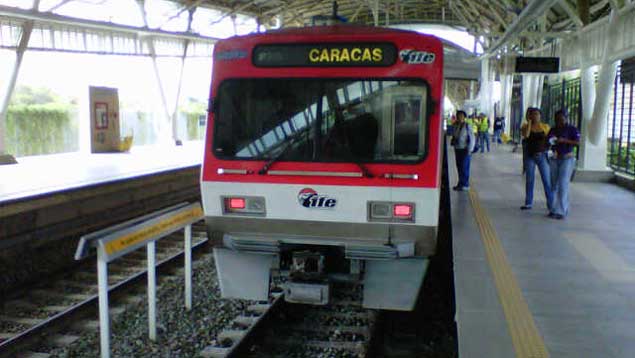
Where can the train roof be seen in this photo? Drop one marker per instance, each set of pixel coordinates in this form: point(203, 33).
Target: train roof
point(332, 30)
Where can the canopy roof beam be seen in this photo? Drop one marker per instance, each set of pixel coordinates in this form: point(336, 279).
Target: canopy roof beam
point(572, 13)
point(51, 18)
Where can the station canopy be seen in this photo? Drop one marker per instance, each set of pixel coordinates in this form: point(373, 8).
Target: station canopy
point(518, 24)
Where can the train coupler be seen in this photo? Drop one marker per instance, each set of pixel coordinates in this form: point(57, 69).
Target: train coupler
point(308, 283)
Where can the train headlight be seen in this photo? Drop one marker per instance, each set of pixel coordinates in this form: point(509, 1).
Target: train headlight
point(380, 210)
point(385, 211)
point(243, 205)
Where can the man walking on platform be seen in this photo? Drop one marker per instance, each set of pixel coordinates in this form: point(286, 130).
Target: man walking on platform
point(499, 126)
point(463, 141)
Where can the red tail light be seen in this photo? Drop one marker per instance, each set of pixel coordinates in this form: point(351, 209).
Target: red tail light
point(243, 205)
point(402, 210)
point(236, 203)
point(387, 211)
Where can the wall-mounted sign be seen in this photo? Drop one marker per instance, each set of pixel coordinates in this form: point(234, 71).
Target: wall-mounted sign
point(627, 70)
point(104, 119)
point(537, 65)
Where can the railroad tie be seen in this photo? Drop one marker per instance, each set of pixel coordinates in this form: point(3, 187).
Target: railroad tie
point(49, 294)
point(19, 304)
point(91, 325)
point(33, 355)
point(214, 352)
point(258, 308)
point(63, 340)
point(21, 320)
point(54, 308)
point(244, 321)
point(5, 335)
point(233, 335)
point(77, 284)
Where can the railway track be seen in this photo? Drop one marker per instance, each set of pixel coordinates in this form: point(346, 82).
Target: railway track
point(68, 301)
point(342, 329)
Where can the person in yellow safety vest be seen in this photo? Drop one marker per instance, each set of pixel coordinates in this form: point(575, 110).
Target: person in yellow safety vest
point(483, 132)
point(473, 122)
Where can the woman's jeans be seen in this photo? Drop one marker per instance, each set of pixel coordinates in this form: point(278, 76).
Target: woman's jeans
point(463, 159)
point(540, 160)
point(561, 170)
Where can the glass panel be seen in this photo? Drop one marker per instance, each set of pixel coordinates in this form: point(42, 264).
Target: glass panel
point(312, 120)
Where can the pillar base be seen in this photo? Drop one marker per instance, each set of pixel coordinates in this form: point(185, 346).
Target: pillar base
point(590, 176)
point(7, 159)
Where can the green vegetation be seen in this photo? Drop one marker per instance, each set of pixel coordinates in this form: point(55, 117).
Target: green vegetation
point(192, 111)
point(621, 159)
point(40, 122)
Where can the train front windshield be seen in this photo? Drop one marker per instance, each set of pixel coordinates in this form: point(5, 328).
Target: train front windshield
point(321, 120)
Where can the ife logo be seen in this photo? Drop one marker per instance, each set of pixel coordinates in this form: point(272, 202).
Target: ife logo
point(414, 57)
point(309, 198)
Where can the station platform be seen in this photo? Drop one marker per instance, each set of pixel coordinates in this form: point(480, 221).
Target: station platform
point(38, 175)
point(530, 286)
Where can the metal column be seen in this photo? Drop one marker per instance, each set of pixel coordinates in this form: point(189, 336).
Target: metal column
point(597, 126)
point(153, 56)
point(186, 44)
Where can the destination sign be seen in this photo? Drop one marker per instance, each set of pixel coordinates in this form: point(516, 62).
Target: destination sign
point(325, 55)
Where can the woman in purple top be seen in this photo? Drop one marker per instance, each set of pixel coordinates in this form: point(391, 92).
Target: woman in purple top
point(563, 137)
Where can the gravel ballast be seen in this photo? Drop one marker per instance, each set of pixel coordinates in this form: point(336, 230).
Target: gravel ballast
point(180, 333)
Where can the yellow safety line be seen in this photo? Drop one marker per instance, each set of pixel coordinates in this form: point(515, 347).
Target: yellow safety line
point(525, 336)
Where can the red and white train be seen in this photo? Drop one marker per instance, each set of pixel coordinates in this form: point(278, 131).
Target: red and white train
point(323, 162)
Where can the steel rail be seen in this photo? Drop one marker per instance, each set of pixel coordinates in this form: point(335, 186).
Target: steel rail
point(241, 348)
point(23, 340)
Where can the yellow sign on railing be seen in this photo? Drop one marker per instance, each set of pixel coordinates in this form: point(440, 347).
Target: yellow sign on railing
point(155, 230)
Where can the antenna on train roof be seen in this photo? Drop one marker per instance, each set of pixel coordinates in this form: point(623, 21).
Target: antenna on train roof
point(334, 19)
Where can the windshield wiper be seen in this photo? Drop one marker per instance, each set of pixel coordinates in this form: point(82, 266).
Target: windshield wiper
point(265, 168)
point(364, 170)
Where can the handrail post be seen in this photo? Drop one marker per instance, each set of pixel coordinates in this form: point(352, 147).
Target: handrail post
point(116, 241)
point(104, 318)
point(188, 267)
point(152, 291)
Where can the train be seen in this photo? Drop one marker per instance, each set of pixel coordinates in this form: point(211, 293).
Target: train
point(323, 163)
